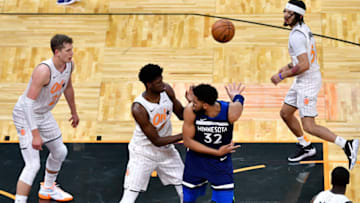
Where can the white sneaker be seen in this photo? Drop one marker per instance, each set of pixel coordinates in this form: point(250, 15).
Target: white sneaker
point(55, 193)
point(351, 149)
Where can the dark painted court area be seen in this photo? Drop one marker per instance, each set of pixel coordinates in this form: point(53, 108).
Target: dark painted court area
point(93, 172)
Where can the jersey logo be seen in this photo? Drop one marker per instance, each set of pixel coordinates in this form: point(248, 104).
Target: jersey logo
point(223, 158)
point(306, 101)
point(158, 118)
point(55, 89)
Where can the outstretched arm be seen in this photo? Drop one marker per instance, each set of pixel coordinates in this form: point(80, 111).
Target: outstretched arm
point(236, 106)
point(142, 118)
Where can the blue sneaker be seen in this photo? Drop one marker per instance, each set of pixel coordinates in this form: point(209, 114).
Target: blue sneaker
point(66, 2)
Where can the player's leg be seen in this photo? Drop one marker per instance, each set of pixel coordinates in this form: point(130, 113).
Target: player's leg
point(51, 134)
point(170, 170)
point(222, 181)
point(304, 148)
point(192, 192)
point(138, 172)
point(223, 196)
point(30, 156)
point(350, 147)
point(49, 190)
point(32, 165)
point(287, 114)
point(194, 185)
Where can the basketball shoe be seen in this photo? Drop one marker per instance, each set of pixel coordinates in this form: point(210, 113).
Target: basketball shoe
point(351, 149)
point(302, 152)
point(55, 193)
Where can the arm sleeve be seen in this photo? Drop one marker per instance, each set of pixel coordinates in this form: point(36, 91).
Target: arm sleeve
point(29, 112)
point(298, 43)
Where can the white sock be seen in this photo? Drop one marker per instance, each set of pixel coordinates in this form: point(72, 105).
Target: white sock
point(179, 190)
point(340, 141)
point(20, 199)
point(302, 141)
point(49, 179)
point(129, 196)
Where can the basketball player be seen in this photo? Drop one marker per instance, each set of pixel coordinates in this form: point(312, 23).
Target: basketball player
point(36, 125)
point(303, 93)
point(151, 147)
point(339, 179)
point(207, 131)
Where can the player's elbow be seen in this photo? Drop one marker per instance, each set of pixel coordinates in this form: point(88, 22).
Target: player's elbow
point(157, 143)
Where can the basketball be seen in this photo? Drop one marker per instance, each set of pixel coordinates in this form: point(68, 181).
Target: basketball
point(223, 30)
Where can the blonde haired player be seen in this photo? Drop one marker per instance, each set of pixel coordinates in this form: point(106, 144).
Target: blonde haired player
point(35, 124)
point(303, 93)
point(151, 147)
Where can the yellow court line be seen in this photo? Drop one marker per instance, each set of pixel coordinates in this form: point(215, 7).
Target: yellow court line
point(326, 166)
point(249, 168)
point(6, 194)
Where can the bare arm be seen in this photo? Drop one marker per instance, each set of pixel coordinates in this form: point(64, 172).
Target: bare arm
point(178, 109)
point(301, 67)
point(235, 107)
point(70, 98)
point(39, 78)
point(142, 118)
point(189, 133)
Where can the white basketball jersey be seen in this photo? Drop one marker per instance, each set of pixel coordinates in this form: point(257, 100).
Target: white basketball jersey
point(329, 197)
point(159, 117)
point(310, 46)
point(51, 93)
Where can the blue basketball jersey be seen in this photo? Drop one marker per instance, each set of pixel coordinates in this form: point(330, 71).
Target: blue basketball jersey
point(201, 168)
point(216, 131)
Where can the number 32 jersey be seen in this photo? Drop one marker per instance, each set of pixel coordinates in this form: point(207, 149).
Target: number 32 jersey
point(216, 131)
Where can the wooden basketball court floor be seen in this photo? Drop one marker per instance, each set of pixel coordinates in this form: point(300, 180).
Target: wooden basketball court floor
point(113, 39)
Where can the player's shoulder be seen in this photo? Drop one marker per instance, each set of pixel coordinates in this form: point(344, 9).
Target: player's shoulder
point(42, 70)
point(169, 91)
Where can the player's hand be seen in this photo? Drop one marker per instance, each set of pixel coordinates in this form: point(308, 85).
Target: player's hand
point(189, 94)
point(37, 141)
point(225, 149)
point(275, 79)
point(234, 89)
point(74, 120)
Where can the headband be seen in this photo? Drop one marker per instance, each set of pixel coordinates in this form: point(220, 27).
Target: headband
point(295, 8)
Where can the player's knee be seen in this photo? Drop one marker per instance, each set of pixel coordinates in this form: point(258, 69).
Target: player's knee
point(29, 172)
point(60, 153)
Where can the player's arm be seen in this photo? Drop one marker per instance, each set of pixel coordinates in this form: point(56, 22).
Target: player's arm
point(189, 133)
point(70, 99)
point(234, 92)
point(142, 118)
point(299, 68)
point(298, 42)
point(178, 109)
point(40, 77)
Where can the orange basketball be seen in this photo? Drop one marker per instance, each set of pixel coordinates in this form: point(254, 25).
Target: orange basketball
point(223, 30)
